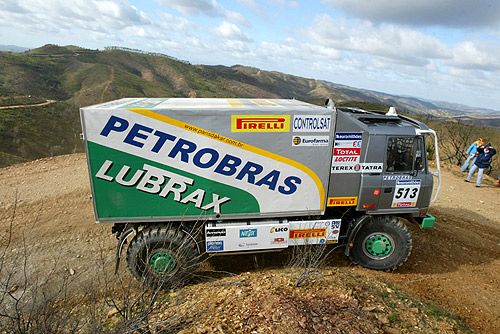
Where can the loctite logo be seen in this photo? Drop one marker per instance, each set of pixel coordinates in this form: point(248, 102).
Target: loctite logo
point(260, 123)
point(308, 233)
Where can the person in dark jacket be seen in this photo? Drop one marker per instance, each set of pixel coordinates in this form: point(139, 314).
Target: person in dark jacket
point(483, 161)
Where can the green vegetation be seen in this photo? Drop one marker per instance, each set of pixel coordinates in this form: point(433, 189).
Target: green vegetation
point(77, 77)
point(48, 131)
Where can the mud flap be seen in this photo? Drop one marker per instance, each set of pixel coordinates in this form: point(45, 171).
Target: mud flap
point(353, 231)
point(122, 239)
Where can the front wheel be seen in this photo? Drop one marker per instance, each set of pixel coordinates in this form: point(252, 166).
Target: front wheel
point(384, 243)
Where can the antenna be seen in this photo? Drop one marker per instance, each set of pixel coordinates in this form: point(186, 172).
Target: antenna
point(392, 112)
point(330, 104)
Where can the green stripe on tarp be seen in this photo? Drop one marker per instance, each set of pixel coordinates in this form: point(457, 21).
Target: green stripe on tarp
point(114, 200)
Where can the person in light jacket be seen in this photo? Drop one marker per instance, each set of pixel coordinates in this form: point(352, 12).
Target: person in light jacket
point(471, 154)
point(483, 160)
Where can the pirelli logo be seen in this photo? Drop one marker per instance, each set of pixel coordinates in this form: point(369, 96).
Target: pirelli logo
point(260, 123)
point(343, 201)
point(308, 233)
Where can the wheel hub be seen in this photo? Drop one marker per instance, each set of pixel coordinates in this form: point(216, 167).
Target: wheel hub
point(162, 262)
point(378, 246)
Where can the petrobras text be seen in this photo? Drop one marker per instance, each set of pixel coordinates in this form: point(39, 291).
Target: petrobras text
point(205, 158)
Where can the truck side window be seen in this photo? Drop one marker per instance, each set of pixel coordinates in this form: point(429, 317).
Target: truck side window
point(401, 154)
point(419, 154)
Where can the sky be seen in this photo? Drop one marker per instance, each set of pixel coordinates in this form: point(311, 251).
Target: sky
point(445, 50)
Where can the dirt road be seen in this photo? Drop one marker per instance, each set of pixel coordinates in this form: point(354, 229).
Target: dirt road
point(46, 103)
point(455, 265)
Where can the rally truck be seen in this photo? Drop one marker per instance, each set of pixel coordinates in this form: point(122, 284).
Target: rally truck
point(181, 179)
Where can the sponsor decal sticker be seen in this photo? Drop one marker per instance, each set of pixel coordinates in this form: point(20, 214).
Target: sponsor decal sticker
point(396, 177)
point(215, 232)
point(248, 233)
point(247, 244)
point(278, 241)
point(343, 201)
point(357, 168)
point(333, 231)
point(313, 232)
point(347, 152)
point(406, 193)
point(310, 141)
point(308, 233)
point(278, 229)
point(311, 123)
point(215, 246)
point(348, 136)
point(260, 123)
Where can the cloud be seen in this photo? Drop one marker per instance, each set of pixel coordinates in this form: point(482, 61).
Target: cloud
point(469, 55)
point(231, 31)
point(56, 15)
point(445, 13)
point(398, 44)
point(205, 7)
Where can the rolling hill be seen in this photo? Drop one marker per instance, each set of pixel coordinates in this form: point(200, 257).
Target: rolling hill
point(75, 77)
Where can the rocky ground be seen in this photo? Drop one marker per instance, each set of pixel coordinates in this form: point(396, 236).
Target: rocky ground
point(453, 273)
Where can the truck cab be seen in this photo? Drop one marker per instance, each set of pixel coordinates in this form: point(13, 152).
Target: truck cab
point(389, 163)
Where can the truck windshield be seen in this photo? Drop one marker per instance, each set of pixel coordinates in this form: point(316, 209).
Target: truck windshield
point(404, 154)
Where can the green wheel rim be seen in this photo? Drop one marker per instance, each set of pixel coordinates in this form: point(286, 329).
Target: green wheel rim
point(162, 262)
point(378, 246)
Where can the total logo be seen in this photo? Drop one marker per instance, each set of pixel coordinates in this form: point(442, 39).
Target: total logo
point(279, 229)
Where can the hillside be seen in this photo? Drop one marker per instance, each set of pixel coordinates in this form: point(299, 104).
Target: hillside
point(76, 77)
point(452, 274)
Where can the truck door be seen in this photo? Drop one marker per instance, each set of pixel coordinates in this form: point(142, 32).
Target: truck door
point(405, 180)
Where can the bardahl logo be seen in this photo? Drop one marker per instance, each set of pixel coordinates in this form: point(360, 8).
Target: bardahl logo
point(308, 233)
point(216, 232)
point(260, 123)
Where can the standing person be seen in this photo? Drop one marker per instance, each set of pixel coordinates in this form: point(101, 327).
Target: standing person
point(483, 160)
point(471, 154)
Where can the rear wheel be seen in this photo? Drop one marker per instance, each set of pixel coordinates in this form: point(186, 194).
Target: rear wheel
point(162, 256)
point(384, 243)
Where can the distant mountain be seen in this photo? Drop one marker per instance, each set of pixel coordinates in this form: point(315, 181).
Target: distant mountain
point(12, 48)
point(78, 77)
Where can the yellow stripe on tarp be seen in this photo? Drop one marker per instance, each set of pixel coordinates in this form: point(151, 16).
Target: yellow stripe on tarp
point(235, 103)
point(238, 144)
point(264, 103)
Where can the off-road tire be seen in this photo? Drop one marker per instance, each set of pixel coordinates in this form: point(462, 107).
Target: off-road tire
point(394, 232)
point(165, 239)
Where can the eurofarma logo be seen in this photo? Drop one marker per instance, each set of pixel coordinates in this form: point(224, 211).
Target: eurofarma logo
point(260, 123)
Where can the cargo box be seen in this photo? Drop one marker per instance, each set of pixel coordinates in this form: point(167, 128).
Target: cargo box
point(160, 159)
